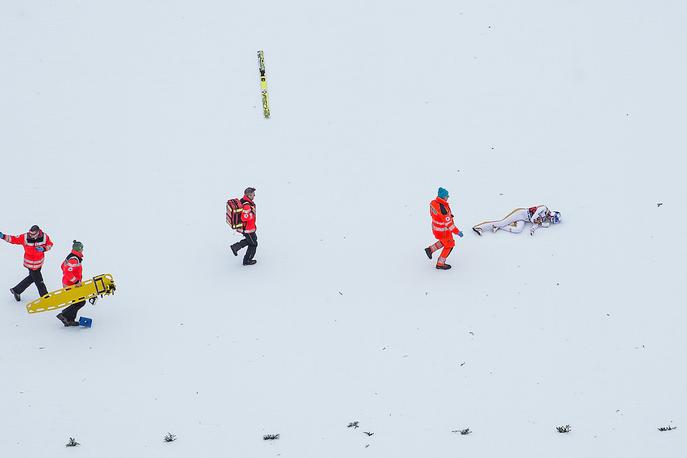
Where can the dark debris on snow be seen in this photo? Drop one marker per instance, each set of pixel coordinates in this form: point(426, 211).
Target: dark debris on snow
point(72, 443)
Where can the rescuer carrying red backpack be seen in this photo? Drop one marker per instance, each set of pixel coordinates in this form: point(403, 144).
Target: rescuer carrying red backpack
point(443, 229)
point(247, 228)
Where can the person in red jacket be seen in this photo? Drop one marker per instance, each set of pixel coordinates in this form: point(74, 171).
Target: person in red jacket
point(35, 243)
point(72, 272)
point(250, 238)
point(443, 229)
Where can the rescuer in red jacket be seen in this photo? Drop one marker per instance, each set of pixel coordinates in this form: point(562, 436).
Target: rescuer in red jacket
point(250, 238)
point(72, 272)
point(35, 243)
point(443, 229)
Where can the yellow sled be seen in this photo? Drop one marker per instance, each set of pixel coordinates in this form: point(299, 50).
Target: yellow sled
point(100, 285)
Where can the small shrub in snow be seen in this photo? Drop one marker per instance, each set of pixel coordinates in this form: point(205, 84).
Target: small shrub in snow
point(169, 437)
point(353, 424)
point(72, 442)
point(270, 437)
point(463, 432)
point(563, 429)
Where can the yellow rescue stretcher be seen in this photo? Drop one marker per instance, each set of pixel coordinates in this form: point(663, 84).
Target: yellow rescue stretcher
point(98, 286)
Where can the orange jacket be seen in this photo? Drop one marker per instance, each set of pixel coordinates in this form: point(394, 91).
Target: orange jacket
point(443, 226)
point(72, 270)
point(33, 258)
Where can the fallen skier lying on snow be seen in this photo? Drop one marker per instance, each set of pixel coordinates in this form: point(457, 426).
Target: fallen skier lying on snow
point(539, 216)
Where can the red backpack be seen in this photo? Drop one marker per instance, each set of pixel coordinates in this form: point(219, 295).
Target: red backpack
point(234, 210)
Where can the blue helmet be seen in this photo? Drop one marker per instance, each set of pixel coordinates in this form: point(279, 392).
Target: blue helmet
point(555, 217)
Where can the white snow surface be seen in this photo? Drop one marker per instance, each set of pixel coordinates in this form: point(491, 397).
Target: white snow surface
point(127, 125)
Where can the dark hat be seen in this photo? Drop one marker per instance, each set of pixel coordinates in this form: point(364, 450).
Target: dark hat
point(34, 228)
point(249, 190)
point(77, 246)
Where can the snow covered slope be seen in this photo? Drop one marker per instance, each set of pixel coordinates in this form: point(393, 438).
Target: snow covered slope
point(128, 124)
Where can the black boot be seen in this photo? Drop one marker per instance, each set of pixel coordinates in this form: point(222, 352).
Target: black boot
point(235, 249)
point(428, 252)
point(249, 263)
point(63, 319)
point(66, 321)
point(17, 297)
point(443, 266)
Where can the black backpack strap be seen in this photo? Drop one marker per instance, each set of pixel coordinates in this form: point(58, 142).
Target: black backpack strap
point(245, 201)
point(72, 256)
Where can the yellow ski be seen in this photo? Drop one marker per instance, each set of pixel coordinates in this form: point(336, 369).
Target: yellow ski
point(100, 285)
point(263, 84)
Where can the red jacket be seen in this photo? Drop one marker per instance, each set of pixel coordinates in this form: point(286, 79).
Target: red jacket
point(72, 270)
point(443, 226)
point(248, 215)
point(33, 259)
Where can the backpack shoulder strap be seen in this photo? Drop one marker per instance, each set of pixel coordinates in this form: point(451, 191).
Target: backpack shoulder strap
point(71, 256)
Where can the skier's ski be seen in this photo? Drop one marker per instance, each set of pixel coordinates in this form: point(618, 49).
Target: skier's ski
point(263, 84)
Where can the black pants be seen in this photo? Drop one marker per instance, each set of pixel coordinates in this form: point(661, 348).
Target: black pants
point(70, 312)
point(250, 241)
point(35, 276)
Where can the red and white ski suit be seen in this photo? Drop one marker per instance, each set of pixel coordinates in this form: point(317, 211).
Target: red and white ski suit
point(33, 259)
point(515, 221)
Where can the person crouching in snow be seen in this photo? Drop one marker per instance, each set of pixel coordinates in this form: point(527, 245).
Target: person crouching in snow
point(72, 272)
point(443, 229)
point(539, 216)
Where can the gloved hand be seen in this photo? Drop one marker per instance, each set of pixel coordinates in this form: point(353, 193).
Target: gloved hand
point(40, 248)
point(2, 236)
point(460, 233)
